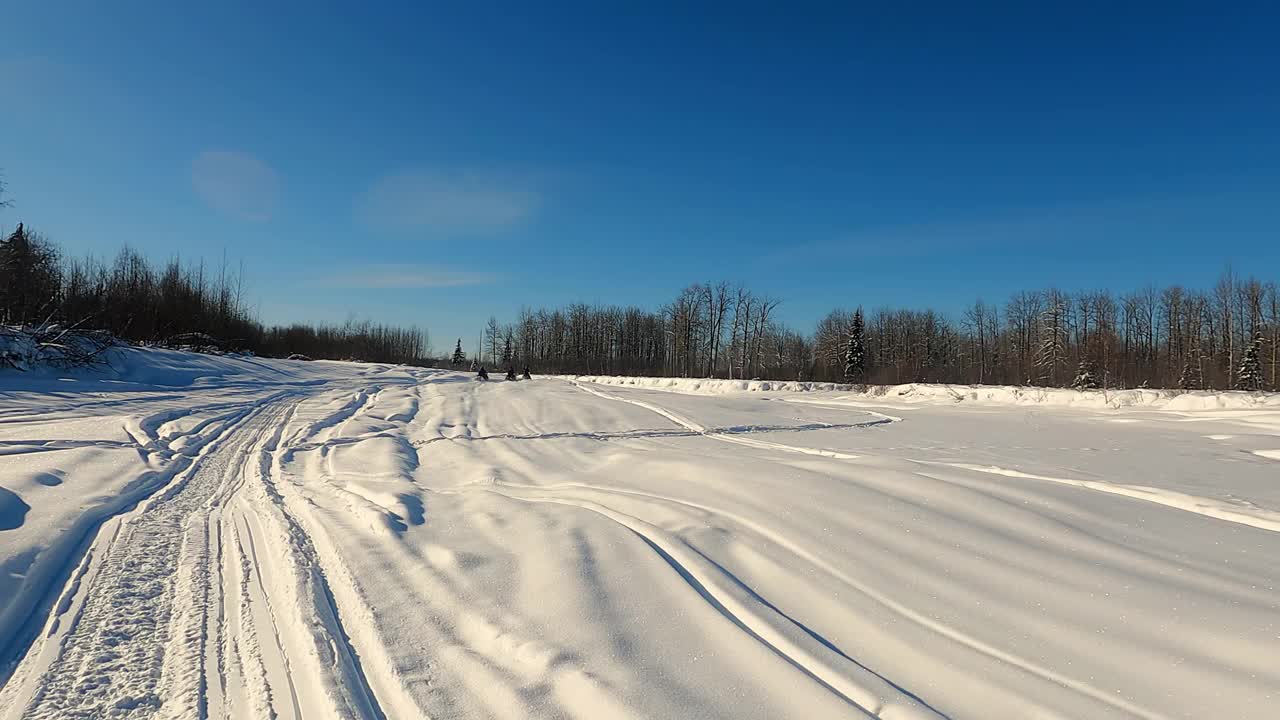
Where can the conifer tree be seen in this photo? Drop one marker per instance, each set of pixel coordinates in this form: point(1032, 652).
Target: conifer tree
point(1250, 375)
point(855, 357)
point(1086, 379)
point(1192, 376)
point(458, 356)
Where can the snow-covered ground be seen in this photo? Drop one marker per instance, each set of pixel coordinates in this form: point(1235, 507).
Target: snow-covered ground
point(227, 538)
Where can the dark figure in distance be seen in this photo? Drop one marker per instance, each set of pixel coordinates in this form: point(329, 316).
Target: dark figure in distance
point(526, 373)
point(511, 372)
point(483, 374)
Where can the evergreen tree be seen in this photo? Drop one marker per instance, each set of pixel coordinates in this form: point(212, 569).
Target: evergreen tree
point(458, 356)
point(1192, 377)
point(855, 357)
point(1086, 379)
point(1250, 375)
point(506, 351)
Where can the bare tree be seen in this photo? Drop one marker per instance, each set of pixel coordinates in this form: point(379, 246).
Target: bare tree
point(976, 322)
point(1053, 332)
point(492, 335)
point(743, 307)
point(717, 299)
point(1273, 304)
point(1224, 297)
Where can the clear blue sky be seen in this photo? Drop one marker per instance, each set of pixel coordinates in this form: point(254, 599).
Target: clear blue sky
point(434, 163)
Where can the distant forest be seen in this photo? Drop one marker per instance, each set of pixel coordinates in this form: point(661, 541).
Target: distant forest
point(1223, 337)
point(175, 304)
point(1173, 337)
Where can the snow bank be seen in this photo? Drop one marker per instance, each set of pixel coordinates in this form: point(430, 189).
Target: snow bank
point(702, 386)
point(926, 393)
point(149, 368)
point(1066, 397)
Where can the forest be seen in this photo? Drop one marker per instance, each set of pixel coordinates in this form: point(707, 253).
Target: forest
point(175, 304)
point(1225, 336)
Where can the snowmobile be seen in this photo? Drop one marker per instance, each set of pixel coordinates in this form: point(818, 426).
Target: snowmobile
point(511, 374)
point(526, 374)
point(483, 374)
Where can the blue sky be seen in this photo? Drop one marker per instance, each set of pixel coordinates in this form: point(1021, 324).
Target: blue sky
point(434, 164)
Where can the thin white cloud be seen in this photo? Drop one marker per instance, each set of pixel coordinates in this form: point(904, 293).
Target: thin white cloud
point(31, 75)
point(405, 276)
point(237, 184)
point(445, 203)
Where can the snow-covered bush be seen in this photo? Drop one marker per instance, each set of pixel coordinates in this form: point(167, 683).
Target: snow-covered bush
point(27, 347)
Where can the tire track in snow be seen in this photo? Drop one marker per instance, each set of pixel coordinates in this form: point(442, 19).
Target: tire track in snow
point(1253, 517)
point(101, 532)
point(318, 572)
point(743, 607)
point(110, 660)
point(169, 460)
point(494, 666)
point(256, 597)
point(729, 437)
point(171, 614)
point(952, 633)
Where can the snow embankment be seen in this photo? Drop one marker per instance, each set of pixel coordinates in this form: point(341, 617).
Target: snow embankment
point(706, 386)
point(926, 393)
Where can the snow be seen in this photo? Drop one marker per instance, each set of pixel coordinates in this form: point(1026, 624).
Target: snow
point(186, 535)
point(971, 394)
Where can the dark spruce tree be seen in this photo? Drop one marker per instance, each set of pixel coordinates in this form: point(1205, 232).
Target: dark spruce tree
point(1086, 378)
point(458, 356)
point(855, 356)
point(1192, 375)
point(1250, 376)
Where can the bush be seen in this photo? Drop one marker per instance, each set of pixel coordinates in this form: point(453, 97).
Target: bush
point(24, 348)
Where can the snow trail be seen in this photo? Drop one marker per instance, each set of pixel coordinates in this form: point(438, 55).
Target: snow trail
point(110, 659)
point(1253, 517)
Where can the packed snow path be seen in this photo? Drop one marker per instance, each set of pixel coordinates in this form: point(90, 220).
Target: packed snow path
point(340, 541)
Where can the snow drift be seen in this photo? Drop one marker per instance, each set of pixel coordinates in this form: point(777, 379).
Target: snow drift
point(979, 394)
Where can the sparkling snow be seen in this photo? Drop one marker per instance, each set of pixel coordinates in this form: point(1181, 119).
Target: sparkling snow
point(188, 536)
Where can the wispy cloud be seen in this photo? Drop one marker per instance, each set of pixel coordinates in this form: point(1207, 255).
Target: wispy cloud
point(405, 276)
point(31, 75)
point(237, 184)
point(446, 203)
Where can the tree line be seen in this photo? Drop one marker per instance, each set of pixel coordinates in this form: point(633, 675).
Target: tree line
point(174, 303)
point(1221, 337)
point(1224, 337)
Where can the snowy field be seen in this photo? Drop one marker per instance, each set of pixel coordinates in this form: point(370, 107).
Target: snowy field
point(192, 537)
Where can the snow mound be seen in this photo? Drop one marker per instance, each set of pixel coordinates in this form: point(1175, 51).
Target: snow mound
point(975, 394)
point(701, 386)
point(153, 367)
